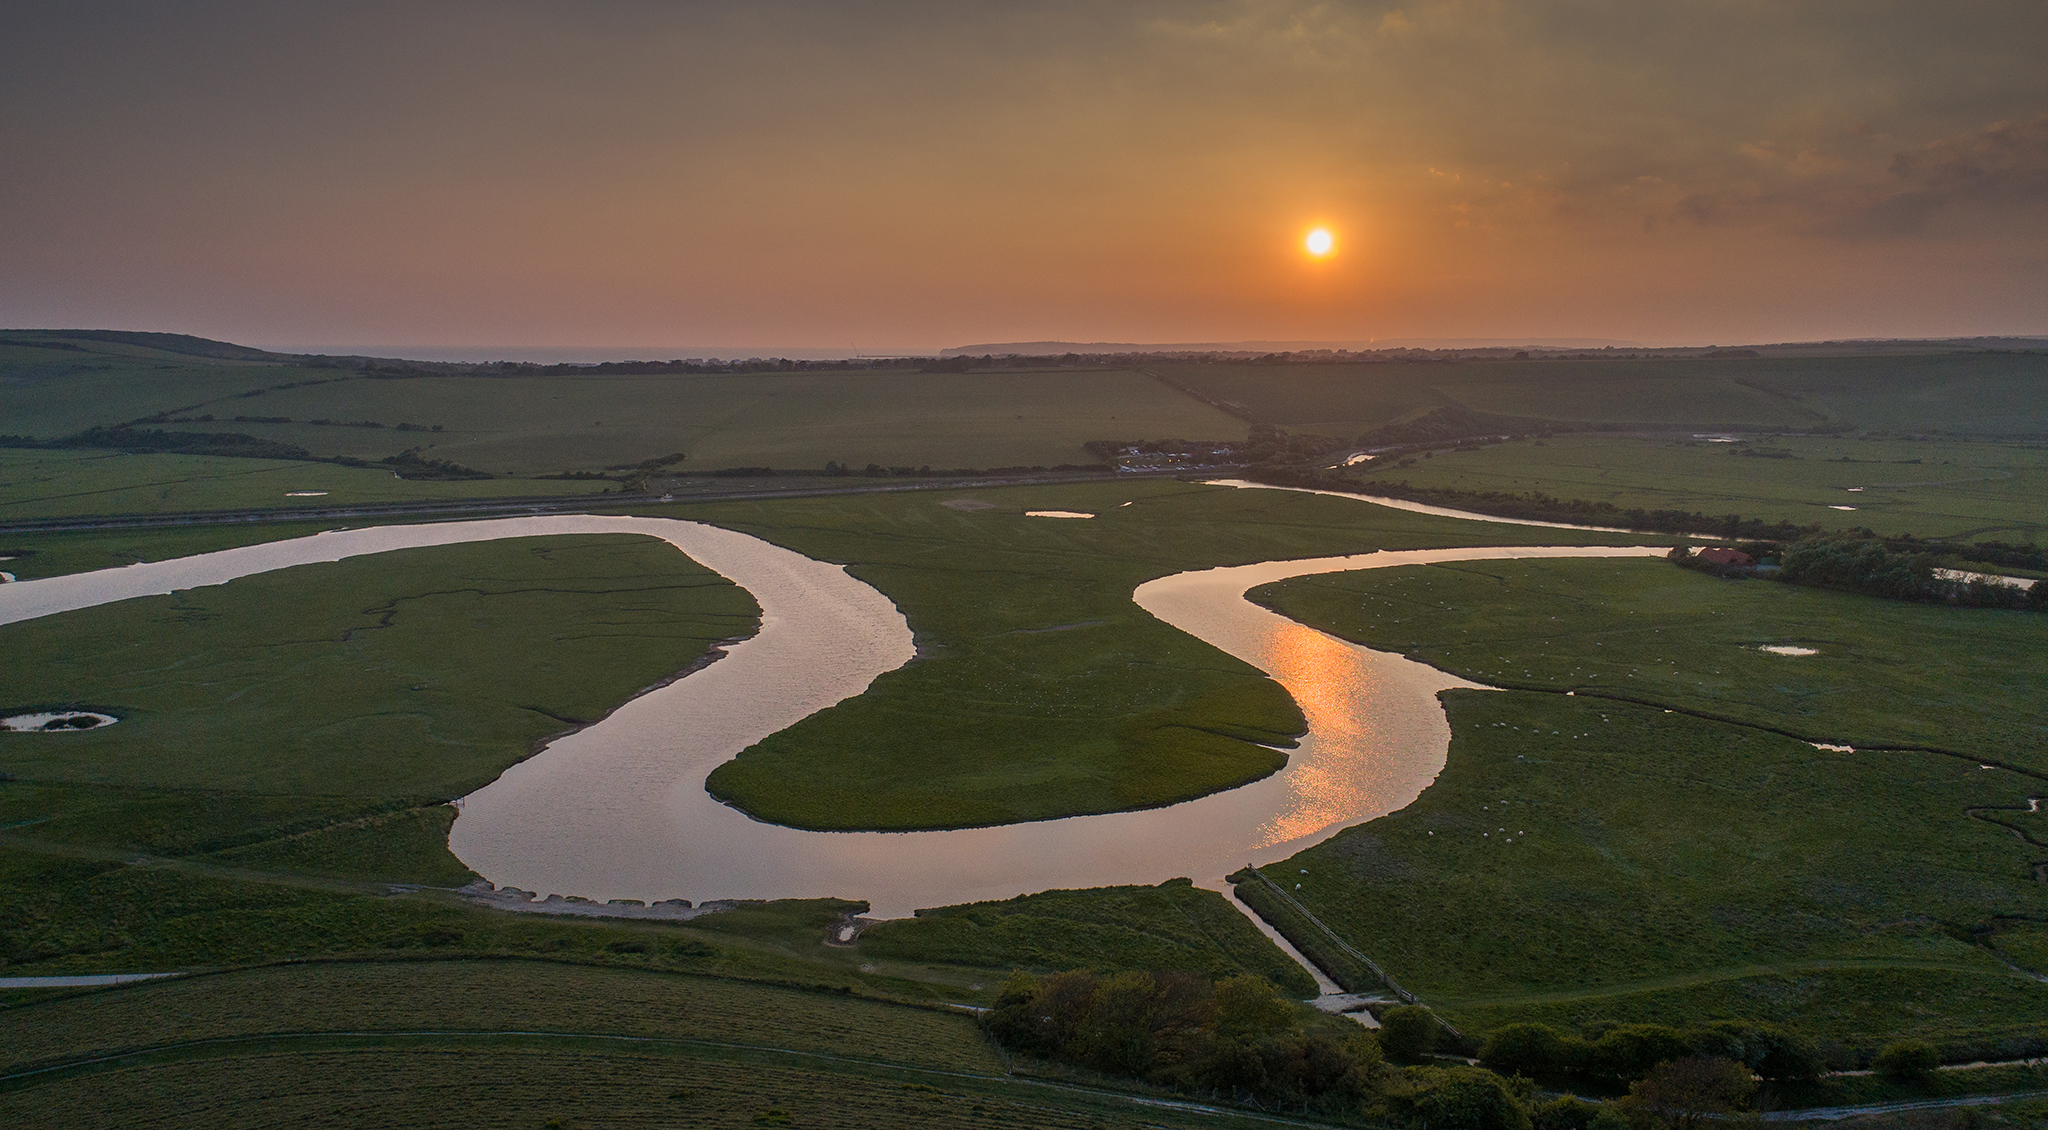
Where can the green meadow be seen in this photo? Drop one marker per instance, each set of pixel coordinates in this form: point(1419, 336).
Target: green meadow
point(60, 484)
point(372, 676)
point(1041, 690)
point(1936, 489)
point(1982, 394)
point(287, 743)
point(521, 1043)
point(1641, 829)
point(1662, 843)
point(1173, 926)
point(522, 425)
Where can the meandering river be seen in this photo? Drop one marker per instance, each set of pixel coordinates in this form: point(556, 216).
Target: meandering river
point(618, 809)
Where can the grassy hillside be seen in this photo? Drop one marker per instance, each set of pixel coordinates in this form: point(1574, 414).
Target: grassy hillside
point(1990, 394)
point(1613, 855)
point(53, 386)
point(1173, 926)
point(517, 1043)
point(541, 425)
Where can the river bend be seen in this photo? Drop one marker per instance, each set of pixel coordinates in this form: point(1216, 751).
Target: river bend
point(618, 809)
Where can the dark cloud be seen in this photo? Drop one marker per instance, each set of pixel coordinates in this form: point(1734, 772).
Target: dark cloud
point(2004, 164)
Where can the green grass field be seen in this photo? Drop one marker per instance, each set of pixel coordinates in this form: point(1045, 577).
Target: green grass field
point(58, 484)
point(1174, 926)
point(1983, 394)
point(50, 391)
point(1041, 690)
point(518, 1043)
point(1886, 673)
point(1584, 858)
point(532, 425)
point(543, 425)
point(286, 740)
point(1942, 488)
point(392, 675)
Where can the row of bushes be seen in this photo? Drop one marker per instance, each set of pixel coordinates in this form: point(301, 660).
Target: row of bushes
point(409, 464)
point(1865, 563)
point(1627, 1052)
point(1238, 1040)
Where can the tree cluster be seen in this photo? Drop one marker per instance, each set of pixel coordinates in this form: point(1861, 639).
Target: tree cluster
point(1239, 1040)
point(1613, 1056)
point(1861, 562)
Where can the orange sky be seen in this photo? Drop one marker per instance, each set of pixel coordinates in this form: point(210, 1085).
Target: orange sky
point(882, 176)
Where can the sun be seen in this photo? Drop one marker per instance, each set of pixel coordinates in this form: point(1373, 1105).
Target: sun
point(1320, 242)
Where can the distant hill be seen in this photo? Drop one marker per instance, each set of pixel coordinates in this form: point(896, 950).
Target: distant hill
point(184, 344)
point(1054, 348)
point(1852, 347)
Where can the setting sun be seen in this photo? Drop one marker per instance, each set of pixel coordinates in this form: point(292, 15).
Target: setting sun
point(1320, 242)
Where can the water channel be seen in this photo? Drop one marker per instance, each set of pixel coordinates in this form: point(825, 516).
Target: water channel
point(618, 809)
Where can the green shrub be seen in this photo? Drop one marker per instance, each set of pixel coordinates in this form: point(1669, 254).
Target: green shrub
point(1906, 1061)
point(1465, 1097)
point(1566, 1112)
point(1408, 1032)
point(1630, 1051)
point(1535, 1050)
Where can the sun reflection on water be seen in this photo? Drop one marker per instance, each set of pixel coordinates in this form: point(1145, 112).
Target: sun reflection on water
point(1335, 689)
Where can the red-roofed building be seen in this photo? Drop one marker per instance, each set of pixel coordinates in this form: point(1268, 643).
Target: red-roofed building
point(1722, 555)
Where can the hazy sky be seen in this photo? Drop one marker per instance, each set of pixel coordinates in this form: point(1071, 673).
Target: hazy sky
point(909, 174)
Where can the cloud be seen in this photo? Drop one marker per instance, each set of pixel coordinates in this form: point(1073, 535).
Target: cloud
point(2004, 163)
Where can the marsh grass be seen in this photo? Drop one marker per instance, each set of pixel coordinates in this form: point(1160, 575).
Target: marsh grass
point(1928, 488)
point(421, 672)
point(1582, 858)
point(1040, 689)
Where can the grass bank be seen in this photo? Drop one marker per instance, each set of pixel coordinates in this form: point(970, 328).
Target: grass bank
point(1173, 926)
point(524, 1044)
point(1040, 689)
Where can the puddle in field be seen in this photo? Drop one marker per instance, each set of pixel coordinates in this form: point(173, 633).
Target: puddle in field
point(56, 722)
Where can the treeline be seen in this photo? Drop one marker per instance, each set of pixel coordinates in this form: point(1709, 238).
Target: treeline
point(1611, 1057)
point(1265, 444)
point(123, 437)
point(1240, 1041)
point(410, 464)
point(877, 471)
point(1861, 562)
